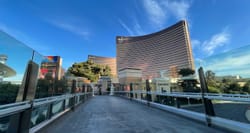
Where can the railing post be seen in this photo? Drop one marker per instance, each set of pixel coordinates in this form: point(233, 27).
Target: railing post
point(63, 104)
point(85, 93)
point(131, 91)
point(72, 99)
point(148, 91)
point(177, 103)
point(209, 109)
point(49, 112)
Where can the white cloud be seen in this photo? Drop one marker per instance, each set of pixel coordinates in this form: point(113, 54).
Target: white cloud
point(135, 30)
point(126, 27)
point(178, 8)
point(217, 40)
point(155, 11)
point(195, 43)
point(230, 63)
point(198, 62)
point(73, 28)
point(159, 11)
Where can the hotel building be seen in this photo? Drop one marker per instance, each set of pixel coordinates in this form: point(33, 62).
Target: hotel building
point(51, 65)
point(169, 50)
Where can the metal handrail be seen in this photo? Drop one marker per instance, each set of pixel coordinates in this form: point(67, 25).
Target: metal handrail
point(13, 108)
point(211, 96)
point(13, 104)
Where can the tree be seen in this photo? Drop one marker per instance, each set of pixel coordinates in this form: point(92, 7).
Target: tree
point(43, 86)
point(89, 70)
point(210, 75)
point(8, 93)
point(233, 88)
point(52, 85)
point(60, 86)
point(106, 71)
point(246, 87)
point(188, 85)
point(212, 89)
point(186, 71)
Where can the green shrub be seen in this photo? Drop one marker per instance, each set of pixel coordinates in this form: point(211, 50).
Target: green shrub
point(212, 89)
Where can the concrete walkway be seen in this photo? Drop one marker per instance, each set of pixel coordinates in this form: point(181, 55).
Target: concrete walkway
point(107, 114)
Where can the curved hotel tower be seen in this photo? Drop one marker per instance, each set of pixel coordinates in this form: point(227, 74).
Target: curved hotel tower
point(167, 50)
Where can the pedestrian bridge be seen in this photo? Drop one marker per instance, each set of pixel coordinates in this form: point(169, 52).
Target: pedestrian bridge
point(109, 114)
point(127, 111)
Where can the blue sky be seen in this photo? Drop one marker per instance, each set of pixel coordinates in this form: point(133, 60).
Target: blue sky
point(75, 29)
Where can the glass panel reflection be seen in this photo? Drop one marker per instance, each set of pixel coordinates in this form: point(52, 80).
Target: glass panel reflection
point(232, 110)
point(57, 107)
point(39, 114)
point(4, 124)
point(229, 73)
point(14, 57)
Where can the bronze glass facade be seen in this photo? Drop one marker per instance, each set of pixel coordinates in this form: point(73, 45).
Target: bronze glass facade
point(169, 49)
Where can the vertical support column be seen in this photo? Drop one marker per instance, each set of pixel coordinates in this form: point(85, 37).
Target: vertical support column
point(209, 109)
point(20, 123)
point(83, 91)
point(49, 112)
point(131, 91)
point(72, 100)
point(177, 102)
point(63, 104)
point(93, 89)
point(148, 91)
point(112, 90)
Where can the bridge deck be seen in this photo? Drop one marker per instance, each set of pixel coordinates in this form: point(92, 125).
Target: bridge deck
point(106, 114)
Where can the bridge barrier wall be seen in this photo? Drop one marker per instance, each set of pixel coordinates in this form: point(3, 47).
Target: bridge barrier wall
point(43, 111)
point(58, 110)
point(227, 124)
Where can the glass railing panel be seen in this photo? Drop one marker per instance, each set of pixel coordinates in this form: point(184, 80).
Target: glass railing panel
point(232, 110)
point(77, 99)
point(66, 103)
point(4, 124)
point(52, 81)
point(163, 99)
point(38, 58)
point(228, 74)
point(8, 93)
point(57, 107)
point(14, 57)
point(39, 114)
point(192, 104)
